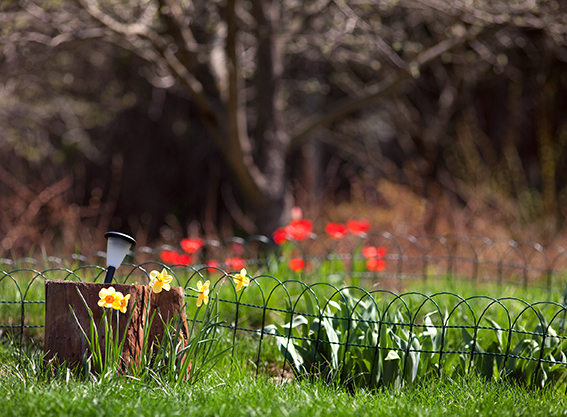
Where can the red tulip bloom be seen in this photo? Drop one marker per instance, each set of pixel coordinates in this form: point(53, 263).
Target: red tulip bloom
point(296, 264)
point(235, 263)
point(358, 227)
point(183, 260)
point(296, 229)
point(280, 235)
point(373, 251)
point(369, 252)
point(212, 263)
point(191, 245)
point(375, 264)
point(335, 230)
point(168, 256)
point(374, 255)
point(172, 257)
point(299, 229)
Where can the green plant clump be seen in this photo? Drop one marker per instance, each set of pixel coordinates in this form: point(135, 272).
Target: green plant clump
point(350, 342)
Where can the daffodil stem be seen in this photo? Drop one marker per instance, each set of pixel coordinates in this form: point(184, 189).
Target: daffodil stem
point(109, 274)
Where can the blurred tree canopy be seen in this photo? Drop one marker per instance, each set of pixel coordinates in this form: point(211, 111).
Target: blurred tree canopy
point(116, 113)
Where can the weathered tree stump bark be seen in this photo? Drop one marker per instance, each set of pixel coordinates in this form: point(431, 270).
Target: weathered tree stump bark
point(63, 337)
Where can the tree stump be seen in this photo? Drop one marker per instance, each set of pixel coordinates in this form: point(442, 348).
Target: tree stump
point(63, 337)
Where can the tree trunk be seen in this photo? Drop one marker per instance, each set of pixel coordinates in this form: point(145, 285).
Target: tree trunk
point(64, 339)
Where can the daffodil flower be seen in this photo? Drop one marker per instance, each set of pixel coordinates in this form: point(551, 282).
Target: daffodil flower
point(159, 281)
point(241, 279)
point(107, 297)
point(203, 292)
point(121, 303)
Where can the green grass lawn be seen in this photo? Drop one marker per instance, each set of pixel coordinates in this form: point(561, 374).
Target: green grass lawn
point(229, 393)
point(234, 388)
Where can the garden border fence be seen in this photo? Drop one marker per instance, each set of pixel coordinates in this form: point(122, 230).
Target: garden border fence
point(353, 332)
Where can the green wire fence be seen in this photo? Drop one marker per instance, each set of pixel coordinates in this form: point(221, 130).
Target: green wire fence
point(352, 332)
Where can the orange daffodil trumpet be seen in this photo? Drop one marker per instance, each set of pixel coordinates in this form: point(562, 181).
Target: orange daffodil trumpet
point(123, 303)
point(160, 280)
point(241, 279)
point(203, 292)
point(110, 298)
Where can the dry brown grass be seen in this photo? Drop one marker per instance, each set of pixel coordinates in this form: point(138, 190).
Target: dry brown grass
point(38, 219)
point(400, 210)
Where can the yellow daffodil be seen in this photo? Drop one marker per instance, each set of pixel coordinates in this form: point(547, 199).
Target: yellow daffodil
point(107, 297)
point(121, 303)
point(159, 281)
point(241, 279)
point(110, 298)
point(203, 292)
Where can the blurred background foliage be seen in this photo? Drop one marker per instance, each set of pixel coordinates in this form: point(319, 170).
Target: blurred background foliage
point(166, 119)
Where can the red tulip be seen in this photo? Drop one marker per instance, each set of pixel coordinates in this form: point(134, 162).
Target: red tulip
point(374, 264)
point(296, 264)
point(280, 235)
point(183, 260)
point(369, 251)
point(172, 257)
point(191, 245)
point(373, 251)
point(358, 227)
point(168, 256)
point(212, 263)
point(335, 230)
point(299, 229)
point(374, 255)
point(235, 263)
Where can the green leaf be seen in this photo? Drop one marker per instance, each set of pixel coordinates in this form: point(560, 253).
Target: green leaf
point(392, 356)
point(287, 348)
point(391, 369)
point(296, 322)
point(498, 331)
point(333, 338)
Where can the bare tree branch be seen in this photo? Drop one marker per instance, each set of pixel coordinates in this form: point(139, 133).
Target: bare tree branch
point(381, 90)
point(382, 46)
